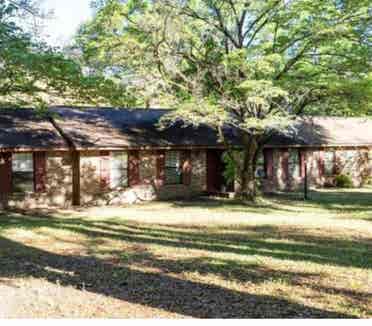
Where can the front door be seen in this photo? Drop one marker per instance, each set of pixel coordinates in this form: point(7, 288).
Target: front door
point(215, 172)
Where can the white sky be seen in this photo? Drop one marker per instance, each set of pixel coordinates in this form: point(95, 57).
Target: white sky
point(68, 15)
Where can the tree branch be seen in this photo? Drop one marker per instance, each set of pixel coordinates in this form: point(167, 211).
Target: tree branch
point(259, 18)
point(292, 62)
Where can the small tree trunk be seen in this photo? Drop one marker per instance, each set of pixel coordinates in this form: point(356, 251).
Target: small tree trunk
point(247, 185)
point(247, 189)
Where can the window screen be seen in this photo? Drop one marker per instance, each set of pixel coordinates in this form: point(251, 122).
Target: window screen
point(328, 163)
point(119, 169)
point(173, 173)
point(260, 166)
point(23, 172)
point(350, 159)
point(294, 163)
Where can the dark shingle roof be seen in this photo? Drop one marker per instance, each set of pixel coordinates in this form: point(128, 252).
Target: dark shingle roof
point(327, 131)
point(24, 129)
point(116, 128)
point(103, 128)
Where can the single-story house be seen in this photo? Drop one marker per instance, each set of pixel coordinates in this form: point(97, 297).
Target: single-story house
point(115, 156)
point(327, 147)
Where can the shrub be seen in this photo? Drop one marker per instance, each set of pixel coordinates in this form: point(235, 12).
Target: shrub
point(343, 181)
point(230, 168)
point(368, 181)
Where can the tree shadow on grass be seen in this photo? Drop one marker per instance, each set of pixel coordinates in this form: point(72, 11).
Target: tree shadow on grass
point(346, 201)
point(268, 241)
point(244, 272)
point(245, 240)
point(232, 205)
point(335, 200)
point(157, 290)
point(284, 243)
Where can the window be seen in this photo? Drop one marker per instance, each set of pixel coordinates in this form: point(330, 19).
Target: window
point(294, 163)
point(23, 172)
point(119, 169)
point(350, 161)
point(260, 166)
point(329, 160)
point(173, 173)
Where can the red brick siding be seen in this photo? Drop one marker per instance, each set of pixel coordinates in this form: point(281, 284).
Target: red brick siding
point(302, 154)
point(321, 167)
point(335, 163)
point(285, 170)
point(133, 168)
point(160, 168)
point(40, 171)
point(186, 167)
point(269, 163)
point(105, 169)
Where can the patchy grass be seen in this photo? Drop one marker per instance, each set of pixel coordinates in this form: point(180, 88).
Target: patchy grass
point(281, 257)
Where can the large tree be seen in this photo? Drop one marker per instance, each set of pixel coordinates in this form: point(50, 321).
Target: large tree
point(249, 64)
point(33, 73)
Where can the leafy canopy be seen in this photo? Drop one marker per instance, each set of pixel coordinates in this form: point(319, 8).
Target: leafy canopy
point(248, 63)
point(33, 73)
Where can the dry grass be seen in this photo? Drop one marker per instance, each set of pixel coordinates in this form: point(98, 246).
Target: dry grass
point(279, 258)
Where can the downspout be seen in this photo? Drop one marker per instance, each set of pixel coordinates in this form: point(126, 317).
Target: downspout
point(75, 155)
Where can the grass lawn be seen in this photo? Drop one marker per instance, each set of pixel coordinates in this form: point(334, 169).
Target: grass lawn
point(280, 258)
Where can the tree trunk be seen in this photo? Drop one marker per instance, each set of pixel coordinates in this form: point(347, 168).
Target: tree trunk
point(247, 170)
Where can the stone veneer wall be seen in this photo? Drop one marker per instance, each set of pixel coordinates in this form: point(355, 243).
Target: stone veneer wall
point(58, 185)
point(358, 167)
point(149, 187)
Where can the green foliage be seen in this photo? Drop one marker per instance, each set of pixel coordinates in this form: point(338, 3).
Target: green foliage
point(230, 172)
point(367, 181)
point(293, 57)
point(343, 181)
point(33, 74)
point(251, 65)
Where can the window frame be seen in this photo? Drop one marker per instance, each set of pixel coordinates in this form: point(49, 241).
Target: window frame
point(177, 167)
point(329, 171)
point(124, 168)
point(261, 166)
point(19, 171)
point(351, 157)
point(294, 163)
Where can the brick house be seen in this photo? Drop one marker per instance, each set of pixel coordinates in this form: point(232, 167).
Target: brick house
point(115, 156)
point(327, 147)
point(103, 156)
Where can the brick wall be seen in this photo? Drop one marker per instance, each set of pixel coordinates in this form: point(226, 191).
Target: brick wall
point(90, 177)
point(149, 187)
point(358, 166)
point(198, 183)
point(95, 188)
point(58, 185)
